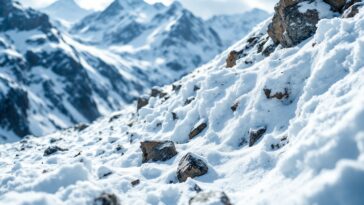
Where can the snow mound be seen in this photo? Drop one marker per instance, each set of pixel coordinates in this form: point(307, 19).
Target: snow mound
point(302, 106)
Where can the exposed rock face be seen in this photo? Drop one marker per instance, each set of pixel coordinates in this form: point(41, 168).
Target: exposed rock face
point(255, 135)
point(157, 150)
point(107, 199)
point(190, 166)
point(289, 26)
point(211, 197)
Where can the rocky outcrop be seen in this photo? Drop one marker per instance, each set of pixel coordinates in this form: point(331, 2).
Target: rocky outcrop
point(190, 166)
point(157, 150)
point(212, 197)
point(289, 25)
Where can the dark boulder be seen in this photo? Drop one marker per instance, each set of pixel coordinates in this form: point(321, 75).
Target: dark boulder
point(157, 150)
point(107, 199)
point(255, 135)
point(212, 197)
point(190, 166)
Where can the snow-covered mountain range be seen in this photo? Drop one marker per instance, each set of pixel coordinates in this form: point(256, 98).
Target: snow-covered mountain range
point(52, 80)
point(275, 119)
point(49, 81)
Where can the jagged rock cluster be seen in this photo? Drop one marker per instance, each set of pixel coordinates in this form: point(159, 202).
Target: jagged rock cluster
point(293, 22)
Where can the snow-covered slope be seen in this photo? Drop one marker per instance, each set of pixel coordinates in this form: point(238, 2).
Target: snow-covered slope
point(283, 129)
point(49, 81)
point(66, 11)
point(232, 28)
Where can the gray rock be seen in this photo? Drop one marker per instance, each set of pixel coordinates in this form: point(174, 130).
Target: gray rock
point(289, 26)
point(212, 197)
point(157, 150)
point(53, 150)
point(190, 166)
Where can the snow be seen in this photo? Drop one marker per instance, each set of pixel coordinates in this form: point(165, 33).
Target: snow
point(319, 129)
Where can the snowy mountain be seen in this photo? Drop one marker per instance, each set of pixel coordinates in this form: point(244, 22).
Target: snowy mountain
point(42, 66)
point(275, 119)
point(170, 39)
point(232, 28)
point(66, 11)
point(48, 81)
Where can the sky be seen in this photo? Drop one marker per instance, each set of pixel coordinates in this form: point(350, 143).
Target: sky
point(203, 8)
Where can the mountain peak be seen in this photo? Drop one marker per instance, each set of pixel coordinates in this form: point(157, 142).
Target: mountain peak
point(66, 10)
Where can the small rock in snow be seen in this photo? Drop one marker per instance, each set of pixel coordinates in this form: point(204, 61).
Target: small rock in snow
point(255, 135)
point(107, 199)
point(103, 172)
point(231, 59)
point(235, 107)
point(142, 102)
point(189, 100)
point(176, 87)
point(52, 150)
point(174, 116)
point(211, 197)
point(196, 131)
point(80, 127)
point(157, 150)
point(135, 182)
point(278, 95)
point(157, 93)
point(190, 166)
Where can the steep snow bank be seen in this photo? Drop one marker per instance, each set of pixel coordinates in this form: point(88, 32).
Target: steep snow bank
point(306, 100)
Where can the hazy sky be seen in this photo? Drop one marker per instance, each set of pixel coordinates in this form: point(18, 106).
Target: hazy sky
point(204, 8)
